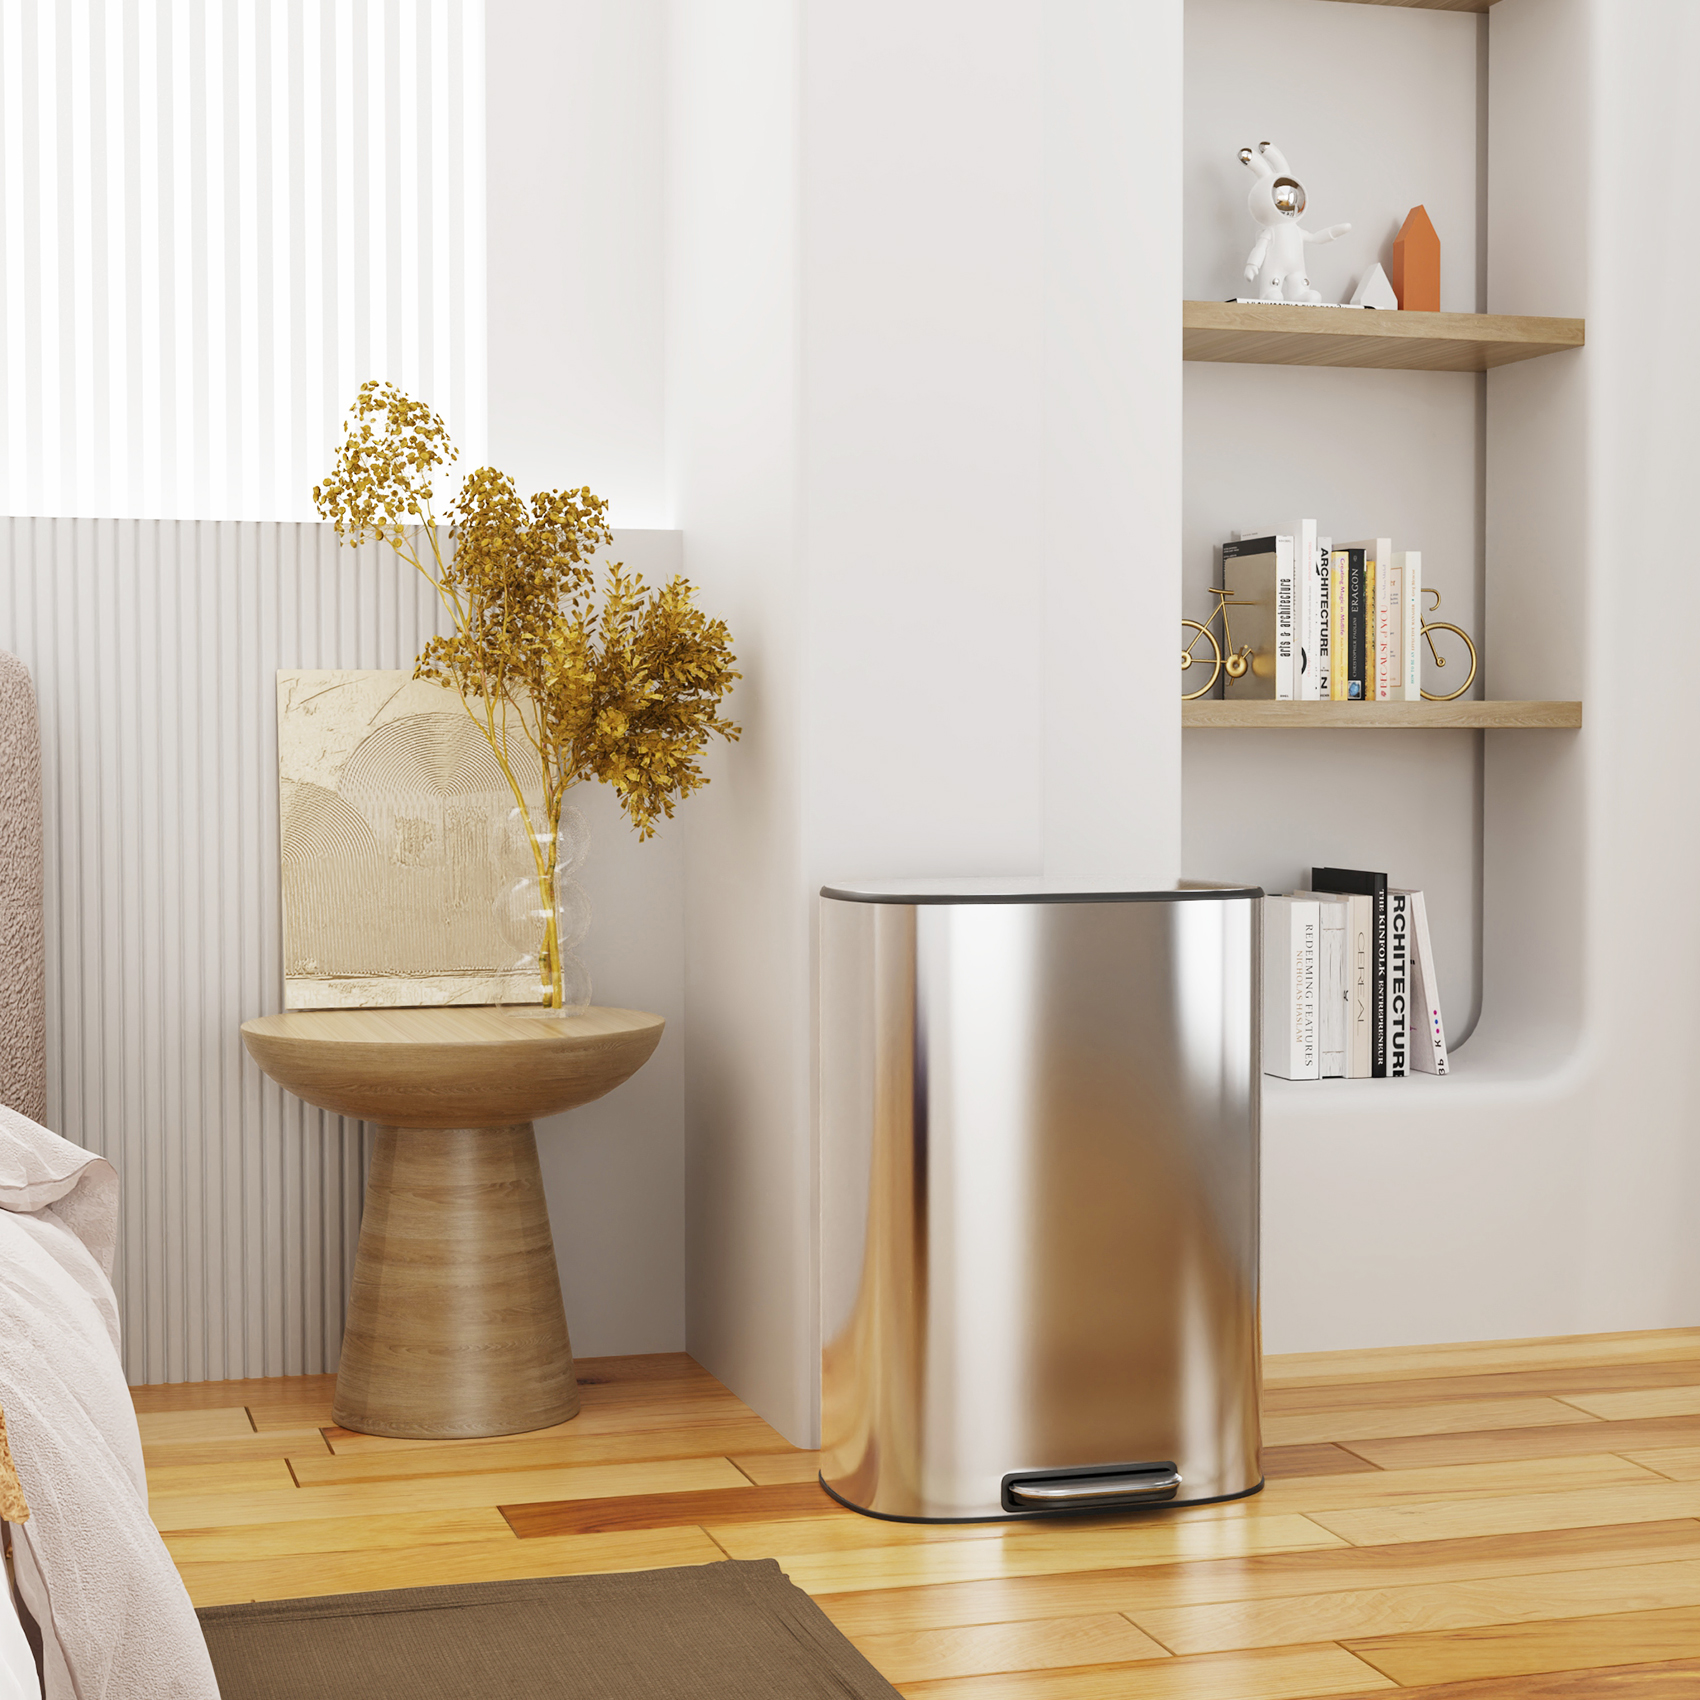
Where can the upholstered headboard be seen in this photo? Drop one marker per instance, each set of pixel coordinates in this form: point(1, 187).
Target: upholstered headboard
point(23, 949)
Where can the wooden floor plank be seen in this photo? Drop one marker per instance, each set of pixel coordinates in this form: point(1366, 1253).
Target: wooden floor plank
point(1626, 1439)
point(268, 1392)
point(1679, 1463)
point(1520, 1649)
point(1472, 1482)
point(641, 1366)
point(201, 1423)
point(625, 1411)
point(198, 1509)
point(1507, 1384)
point(984, 1649)
point(1317, 1459)
point(721, 1506)
point(1642, 1402)
point(1269, 1576)
point(255, 1475)
point(1421, 1608)
point(1282, 1673)
point(1479, 1357)
point(301, 1575)
point(1429, 1418)
point(766, 1468)
point(338, 1534)
point(1677, 1679)
point(1509, 1514)
point(558, 1449)
point(825, 1569)
point(236, 1448)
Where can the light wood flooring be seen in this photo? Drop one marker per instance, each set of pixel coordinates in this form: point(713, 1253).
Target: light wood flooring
point(1454, 1522)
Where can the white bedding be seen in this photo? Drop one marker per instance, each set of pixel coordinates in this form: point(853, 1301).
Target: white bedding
point(17, 1663)
point(91, 1569)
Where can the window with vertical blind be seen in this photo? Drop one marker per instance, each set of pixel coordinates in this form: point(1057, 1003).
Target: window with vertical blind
point(218, 218)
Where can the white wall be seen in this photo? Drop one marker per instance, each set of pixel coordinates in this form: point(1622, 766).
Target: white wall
point(926, 450)
point(1549, 1186)
point(219, 218)
point(577, 138)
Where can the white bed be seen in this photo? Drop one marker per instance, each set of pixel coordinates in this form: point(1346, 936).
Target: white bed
point(91, 1569)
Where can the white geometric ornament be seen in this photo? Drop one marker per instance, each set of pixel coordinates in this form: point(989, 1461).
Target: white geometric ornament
point(1375, 291)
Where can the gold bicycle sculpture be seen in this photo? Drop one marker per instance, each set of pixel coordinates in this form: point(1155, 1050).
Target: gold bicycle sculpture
point(1220, 655)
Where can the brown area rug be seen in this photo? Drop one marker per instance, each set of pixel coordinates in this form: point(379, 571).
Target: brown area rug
point(738, 1630)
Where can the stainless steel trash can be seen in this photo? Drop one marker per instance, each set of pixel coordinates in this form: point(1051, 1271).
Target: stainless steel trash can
point(1039, 1197)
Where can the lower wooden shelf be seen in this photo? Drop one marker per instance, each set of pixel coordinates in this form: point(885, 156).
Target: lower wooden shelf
point(1379, 716)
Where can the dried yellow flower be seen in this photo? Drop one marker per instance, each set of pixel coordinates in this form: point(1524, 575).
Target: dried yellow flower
point(624, 685)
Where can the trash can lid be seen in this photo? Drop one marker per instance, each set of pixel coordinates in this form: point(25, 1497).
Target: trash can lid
point(1027, 888)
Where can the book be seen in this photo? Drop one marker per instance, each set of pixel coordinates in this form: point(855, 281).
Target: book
point(1411, 637)
point(1389, 626)
point(1257, 574)
point(1306, 657)
point(1357, 627)
point(1290, 929)
point(1333, 983)
point(1354, 881)
point(1360, 982)
point(1318, 606)
point(1398, 984)
point(1337, 624)
point(1427, 1035)
point(1378, 556)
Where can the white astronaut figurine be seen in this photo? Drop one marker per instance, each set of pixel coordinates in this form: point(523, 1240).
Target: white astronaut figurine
point(1276, 202)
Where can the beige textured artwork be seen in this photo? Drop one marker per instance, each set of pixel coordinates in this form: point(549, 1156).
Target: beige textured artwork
point(397, 849)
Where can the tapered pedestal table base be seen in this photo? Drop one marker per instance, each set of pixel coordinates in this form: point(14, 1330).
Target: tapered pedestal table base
point(455, 1322)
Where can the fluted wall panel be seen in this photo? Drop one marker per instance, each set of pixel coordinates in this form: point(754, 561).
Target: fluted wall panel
point(153, 645)
point(217, 218)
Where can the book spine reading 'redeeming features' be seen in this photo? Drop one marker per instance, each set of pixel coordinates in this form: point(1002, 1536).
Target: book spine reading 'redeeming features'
point(1333, 984)
point(1373, 886)
point(1290, 936)
point(1398, 984)
point(1427, 1034)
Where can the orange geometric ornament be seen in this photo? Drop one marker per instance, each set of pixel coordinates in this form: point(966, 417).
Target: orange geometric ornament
point(1416, 264)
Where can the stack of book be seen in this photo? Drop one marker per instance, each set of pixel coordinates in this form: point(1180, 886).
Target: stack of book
point(1324, 624)
point(1349, 988)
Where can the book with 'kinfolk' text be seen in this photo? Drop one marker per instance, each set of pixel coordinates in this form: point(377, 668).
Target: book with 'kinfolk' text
point(1399, 956)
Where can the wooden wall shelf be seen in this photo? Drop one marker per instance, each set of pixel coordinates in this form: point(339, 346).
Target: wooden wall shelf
point(1318, 336)
point(1431, 5)
point(1379, 716)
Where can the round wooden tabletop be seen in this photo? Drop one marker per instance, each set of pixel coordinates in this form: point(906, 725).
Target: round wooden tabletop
point(451, 1067)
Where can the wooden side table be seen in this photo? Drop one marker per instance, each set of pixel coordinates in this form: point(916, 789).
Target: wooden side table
point(455, 1323)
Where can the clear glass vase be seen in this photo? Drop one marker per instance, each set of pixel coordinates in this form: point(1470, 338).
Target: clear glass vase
point(545, 913)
